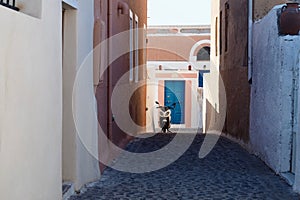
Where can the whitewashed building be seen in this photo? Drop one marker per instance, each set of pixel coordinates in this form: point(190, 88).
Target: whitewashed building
point(178, 57)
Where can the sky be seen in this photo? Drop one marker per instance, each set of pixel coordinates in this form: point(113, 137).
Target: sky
point(178, 12)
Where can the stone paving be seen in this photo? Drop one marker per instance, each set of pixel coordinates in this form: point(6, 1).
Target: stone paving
point(229, 172)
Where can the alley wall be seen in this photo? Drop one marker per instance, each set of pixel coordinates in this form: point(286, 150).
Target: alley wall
point(275, 82)
point(31, 102)
point(233, 68)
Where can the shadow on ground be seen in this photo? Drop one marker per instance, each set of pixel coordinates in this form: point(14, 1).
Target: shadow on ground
point(228, 172)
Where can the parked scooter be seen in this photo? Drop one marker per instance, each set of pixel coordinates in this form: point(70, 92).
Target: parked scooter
point(165, 116)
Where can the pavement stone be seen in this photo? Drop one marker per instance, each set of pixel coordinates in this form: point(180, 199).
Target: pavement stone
point(229, 172)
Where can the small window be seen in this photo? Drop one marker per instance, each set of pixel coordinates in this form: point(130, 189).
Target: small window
point(203, 54)
point(131, 47)
point(226, 25)
point(216, 36)
point(136, 49)
point(220, 33)
point(145, 51)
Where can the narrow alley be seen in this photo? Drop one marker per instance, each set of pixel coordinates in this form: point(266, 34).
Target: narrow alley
point(228, 172)
point(85, 84)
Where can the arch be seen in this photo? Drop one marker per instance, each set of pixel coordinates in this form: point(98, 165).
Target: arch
point(195, 47)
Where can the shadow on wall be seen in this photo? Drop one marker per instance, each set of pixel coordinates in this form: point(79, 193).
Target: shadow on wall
point(213, 118)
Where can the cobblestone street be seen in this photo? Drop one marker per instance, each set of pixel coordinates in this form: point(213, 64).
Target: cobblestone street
point(228, 172)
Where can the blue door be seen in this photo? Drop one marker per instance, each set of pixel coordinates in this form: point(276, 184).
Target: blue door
point(175, 93)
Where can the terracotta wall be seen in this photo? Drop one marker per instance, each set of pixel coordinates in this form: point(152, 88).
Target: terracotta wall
point(138, 101)
point(233, 60)
point(109, 17)
point(172, 48)
point(101, 82)
point(233, 66)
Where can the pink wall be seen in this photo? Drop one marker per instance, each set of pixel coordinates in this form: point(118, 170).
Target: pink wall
point(108, 17)
point(188, 103)
point(174, 48)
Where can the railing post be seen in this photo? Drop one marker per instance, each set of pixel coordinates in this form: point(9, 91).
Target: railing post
point(8, 5)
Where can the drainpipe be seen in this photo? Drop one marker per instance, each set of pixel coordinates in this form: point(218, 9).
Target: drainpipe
point(250, 39)
point(109, 70)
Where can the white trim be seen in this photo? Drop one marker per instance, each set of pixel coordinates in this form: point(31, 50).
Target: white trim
point(179, 26)
point(177, 34)
point(193, 49)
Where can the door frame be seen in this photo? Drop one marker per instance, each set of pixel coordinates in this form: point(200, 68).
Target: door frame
point(183, 110)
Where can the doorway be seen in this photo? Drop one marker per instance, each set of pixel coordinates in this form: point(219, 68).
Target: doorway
point(175, 93)
point(69, 63)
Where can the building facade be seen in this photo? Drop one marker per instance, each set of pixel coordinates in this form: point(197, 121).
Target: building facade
point(257, 69)
point(274, 111)
point(178, 56)
point(53, 99)
point(119, 59)
point(31, 101)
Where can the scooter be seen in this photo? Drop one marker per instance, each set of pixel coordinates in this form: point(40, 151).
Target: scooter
point(165, 117)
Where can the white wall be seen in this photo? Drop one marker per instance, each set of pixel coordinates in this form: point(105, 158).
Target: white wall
point(151, 97)
point(275, 73)
point(297, 171)
point(80, 139)
point(85, 102)
point(152, 91)
point(31, 102)
point(214, 92)
point(69, 73)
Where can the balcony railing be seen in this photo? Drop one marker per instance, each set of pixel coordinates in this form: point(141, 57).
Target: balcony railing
point(9, 4)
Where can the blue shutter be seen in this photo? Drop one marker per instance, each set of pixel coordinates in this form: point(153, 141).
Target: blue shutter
point(200, 80)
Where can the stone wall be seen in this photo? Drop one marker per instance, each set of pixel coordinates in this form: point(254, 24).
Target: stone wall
point(233, 52)
point(273, 96)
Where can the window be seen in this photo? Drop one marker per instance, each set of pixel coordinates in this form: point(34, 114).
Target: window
point(226, 25)
point(145, 52)
point(136, 49)
point(203, 54)
point(131, 47)
point(216, 36)
point(220, 33)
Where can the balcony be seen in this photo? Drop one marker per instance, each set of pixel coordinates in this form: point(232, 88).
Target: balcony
point(9, 4)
